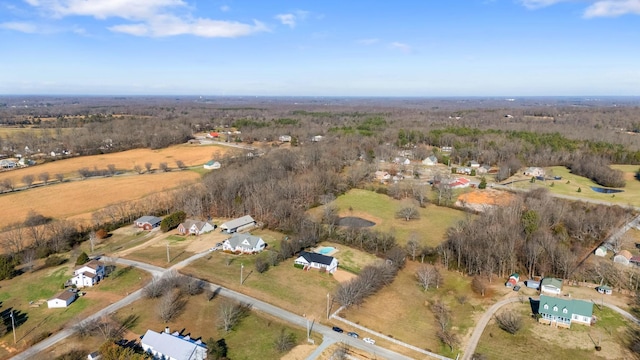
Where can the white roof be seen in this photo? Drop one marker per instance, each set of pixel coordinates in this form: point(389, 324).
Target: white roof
point(170, 345)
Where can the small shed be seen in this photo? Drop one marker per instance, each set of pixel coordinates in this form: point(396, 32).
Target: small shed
point(601, 251)
point(623, 257)
point(532, 284)
point(604, 289)
point(551, 286)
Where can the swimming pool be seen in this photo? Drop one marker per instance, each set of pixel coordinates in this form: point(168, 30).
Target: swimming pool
point(605, 191)
point(325, 250)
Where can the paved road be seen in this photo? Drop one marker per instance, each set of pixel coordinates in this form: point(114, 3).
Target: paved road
point(256, 304)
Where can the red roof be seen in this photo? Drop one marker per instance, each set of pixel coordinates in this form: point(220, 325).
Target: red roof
point(214, 134)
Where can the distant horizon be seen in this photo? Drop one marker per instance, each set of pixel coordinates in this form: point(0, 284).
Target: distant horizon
point(471, 48)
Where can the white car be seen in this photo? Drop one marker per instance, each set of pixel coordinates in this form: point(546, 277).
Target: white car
point(369, 341)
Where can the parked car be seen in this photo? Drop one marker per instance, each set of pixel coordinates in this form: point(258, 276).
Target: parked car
point(218, 244)
point(337, 329)
point(352, 334)
point(516, 288)
point(369, 341)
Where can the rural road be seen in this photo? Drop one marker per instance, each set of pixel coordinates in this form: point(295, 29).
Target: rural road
point(328, 334)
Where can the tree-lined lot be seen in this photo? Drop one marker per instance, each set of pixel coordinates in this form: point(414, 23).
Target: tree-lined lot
point(22, 293)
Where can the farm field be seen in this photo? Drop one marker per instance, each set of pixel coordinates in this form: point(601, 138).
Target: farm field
point(575, 343)
point(430, 229)
point(190, 154)
point(78, 199)
point(34, 322)
point(402, 310)
point(570, 184)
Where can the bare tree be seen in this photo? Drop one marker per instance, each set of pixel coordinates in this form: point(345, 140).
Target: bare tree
point(28, 257)
point(413, 246)
point(180, 164)
point(428, 275)
point(408, 213)
point(285, 341)
point(231, 312)
point(442, 316)
point(164, 167)
point(509, 321)
point(480, 285)
point(148, 166)
point(192, 286)
point(59, 177)
point(44, 177)
point(111, 169)
point(28, 180)
point(137, 168)
point(170, 305)
point(155, 288)
point(8, 184)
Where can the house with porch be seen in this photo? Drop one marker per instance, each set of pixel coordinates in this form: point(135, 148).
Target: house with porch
point(310, 260)
point(244, 243)
point(88, 274)
point(173, 346)
point(561, 312)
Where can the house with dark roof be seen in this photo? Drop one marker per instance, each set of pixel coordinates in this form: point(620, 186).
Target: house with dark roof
point(244, 243)
point(310, 260)
point(561, 312)
point(147, 222)
point(173, 346)
point(88, 274)
point(238, 224)
point(62, 300)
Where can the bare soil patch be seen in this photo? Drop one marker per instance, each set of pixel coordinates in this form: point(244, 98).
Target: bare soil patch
point(299, 352)
point(343, 276)
point(476, 199)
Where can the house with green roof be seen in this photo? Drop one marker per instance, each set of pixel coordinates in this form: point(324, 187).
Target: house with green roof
point(562, 312)
point(551, 286)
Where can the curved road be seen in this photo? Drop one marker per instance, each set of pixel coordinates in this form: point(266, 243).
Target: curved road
point(470, 348)
point(328, 334)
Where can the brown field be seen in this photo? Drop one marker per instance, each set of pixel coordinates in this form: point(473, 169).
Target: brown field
point(78, 199)
point(191, 155)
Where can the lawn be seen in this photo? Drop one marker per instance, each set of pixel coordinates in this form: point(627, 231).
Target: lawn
point(350, 259)
point(570, 184)
point(32, 322)
point(575, 343)
point(402, 309)
point(430, 229)
point(301, 292)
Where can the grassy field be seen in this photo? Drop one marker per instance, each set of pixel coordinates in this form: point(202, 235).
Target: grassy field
point(575, 343)
point(78, 199)
point(352, 260)
point(402, 310)
point(570, 184)
point(430, 229)
point(17, 293)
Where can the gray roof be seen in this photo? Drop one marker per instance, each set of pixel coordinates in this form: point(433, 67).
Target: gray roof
point(172, 346)
point(243, 240)
point(236, 223)
point(149, 219)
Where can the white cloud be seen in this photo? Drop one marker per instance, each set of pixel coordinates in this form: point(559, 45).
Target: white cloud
point(405, 48)
point(25, 27)
point(292, 19)
point(597, 8)
point(225, 8)
point(612, 8)
point(155, 18)
point(368, 41)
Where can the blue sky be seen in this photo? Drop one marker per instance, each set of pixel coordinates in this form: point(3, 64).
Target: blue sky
point(321, 48)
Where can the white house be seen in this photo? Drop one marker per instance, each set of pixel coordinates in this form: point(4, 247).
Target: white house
point(173, 346)
point(88, 274)
point(62, 300)
point(623, 257)
point(474, 164)
point(212, 165)
point(238, 224)
point(551, 286)
point(560, 312)
point(285, 138)
point(195, 227)
point(534, 171)
point(317, 138)
point(7, 164)
point(317, 261)
point(430, 160)
point(601, 251)
point(604, 289)
point(244, 243)
point(402, 161)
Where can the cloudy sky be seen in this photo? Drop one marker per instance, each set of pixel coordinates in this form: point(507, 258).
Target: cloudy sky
point(321, 48)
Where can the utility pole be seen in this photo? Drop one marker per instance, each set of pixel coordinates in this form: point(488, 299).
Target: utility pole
point(328, 305)
point(241, 268)
point(13, 326)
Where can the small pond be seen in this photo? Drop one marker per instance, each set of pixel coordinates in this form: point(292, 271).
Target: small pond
point(605, 191)
point(353, 221)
